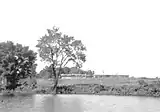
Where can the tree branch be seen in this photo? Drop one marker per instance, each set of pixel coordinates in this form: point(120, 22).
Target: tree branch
point(68, 61)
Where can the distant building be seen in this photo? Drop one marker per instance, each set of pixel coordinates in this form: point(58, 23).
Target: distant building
point(71, 76)
point(105, 76)
point(74, 76)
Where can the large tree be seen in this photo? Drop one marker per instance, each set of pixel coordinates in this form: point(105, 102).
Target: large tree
point(59, 50)
point(16, 62)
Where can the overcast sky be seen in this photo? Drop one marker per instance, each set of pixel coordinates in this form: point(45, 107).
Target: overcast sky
point(121, 36)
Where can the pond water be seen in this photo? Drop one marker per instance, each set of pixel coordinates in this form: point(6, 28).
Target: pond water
point(78, 103)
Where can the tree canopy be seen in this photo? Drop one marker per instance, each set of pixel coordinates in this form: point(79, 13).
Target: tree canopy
point(59, 50)
point(16, 62)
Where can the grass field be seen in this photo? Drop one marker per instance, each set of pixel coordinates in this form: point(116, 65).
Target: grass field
point(111, 81)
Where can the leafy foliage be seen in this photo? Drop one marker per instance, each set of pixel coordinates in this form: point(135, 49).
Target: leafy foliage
point(17, 62)
point(59, 50)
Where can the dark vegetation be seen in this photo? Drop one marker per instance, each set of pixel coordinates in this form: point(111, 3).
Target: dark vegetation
point(16, 62)
point(134, 88)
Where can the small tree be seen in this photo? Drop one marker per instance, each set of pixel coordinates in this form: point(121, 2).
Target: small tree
point(17, 62)
point(59, 50)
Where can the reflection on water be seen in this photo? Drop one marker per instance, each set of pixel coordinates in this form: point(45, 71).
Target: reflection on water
point(78, 103)
point(49, 103)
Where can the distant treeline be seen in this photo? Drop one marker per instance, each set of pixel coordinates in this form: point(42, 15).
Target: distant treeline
point(47, 71)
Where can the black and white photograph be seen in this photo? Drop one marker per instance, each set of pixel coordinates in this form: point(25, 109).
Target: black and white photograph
point(79, 56)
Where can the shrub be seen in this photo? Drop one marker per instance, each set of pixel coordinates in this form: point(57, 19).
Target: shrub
point(142, 83)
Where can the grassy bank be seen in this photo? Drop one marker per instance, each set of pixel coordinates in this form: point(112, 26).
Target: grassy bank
point(125, 90)
point(107, 86)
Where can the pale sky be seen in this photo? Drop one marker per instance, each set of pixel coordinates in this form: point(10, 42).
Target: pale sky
point(121, 36)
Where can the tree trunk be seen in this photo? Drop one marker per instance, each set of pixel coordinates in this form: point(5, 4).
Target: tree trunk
point(54, 88)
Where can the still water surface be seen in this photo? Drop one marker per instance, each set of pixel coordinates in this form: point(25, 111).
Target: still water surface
point(79, 103)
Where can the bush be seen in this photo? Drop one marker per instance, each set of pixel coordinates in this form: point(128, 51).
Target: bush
point(142, 83)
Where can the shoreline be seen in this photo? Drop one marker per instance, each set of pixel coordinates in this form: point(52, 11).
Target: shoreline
point(93, 89)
